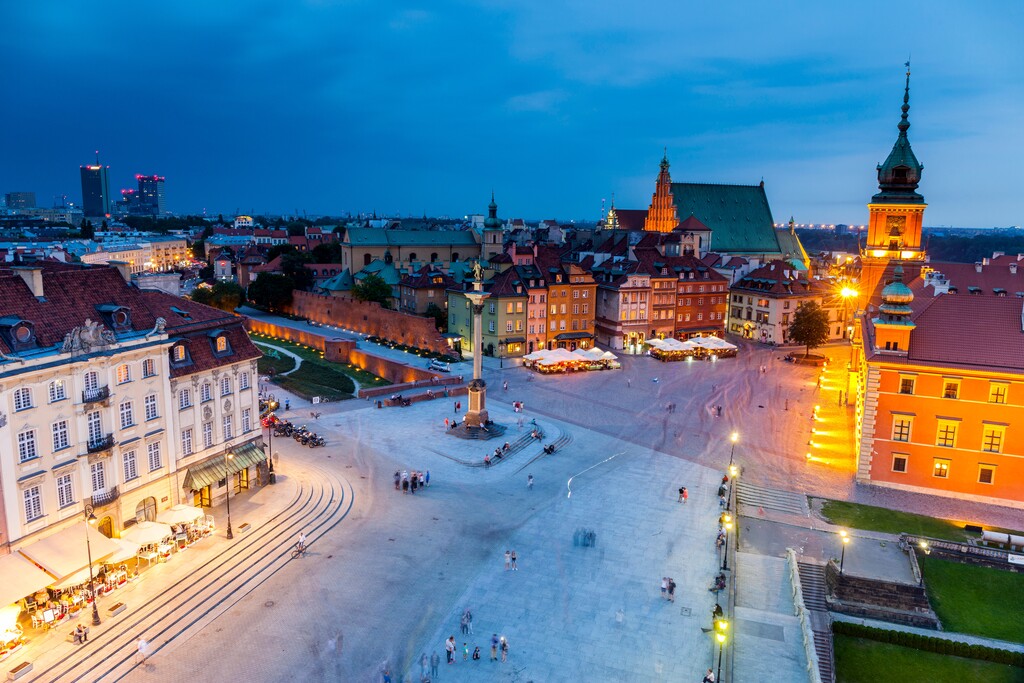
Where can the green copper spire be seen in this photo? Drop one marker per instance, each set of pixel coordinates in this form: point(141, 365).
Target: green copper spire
point(900, 173)
point(492, 220)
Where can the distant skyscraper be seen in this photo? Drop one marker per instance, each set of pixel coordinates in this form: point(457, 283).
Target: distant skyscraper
point(21, 200)
point(96, 189)
point(151, 194)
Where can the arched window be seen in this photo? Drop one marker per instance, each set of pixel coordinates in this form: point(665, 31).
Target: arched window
point(412, 256)
point(455, 256)
point(145, 511)
point(433, 256)
point(366, 259)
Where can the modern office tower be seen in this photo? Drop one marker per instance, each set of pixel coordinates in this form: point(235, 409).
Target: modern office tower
point(151, 194)
point(96, 189)
point(20, 200)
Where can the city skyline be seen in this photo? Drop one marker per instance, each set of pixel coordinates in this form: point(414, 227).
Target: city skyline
point(290, 109)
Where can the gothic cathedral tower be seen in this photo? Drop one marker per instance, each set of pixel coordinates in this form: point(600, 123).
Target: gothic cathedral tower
point(662, 216)
point(896, 214)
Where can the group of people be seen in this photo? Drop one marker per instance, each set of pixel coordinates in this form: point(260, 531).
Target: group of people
point(668, 588)
point(408, 482)
point(510, 560)
point(499, 453)
point(498, 644)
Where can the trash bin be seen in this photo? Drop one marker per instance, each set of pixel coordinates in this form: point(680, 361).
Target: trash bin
point(273, 477)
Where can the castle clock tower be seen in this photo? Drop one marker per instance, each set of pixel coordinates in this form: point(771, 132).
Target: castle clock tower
point(661, 215)
point(896, 215)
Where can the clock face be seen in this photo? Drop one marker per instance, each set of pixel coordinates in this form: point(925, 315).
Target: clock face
point(895, 224)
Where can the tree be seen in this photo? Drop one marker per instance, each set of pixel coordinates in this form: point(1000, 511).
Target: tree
point(327, 253)
point(199, 250)
point(87, 230)
point(440, 317)
point(271, 291)
point(293, 264)
point(202, 295)
point(373, 288)
point(810, 326)
point(227, 296)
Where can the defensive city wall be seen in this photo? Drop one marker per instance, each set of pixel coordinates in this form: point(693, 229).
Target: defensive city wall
point(367, 317)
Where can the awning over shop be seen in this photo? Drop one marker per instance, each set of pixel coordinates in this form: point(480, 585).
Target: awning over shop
point(147, 533)
point(219, 467)
point(19, 577)
point(64, 553)
point(180, 514)
point(573, 335)
point(515, 340)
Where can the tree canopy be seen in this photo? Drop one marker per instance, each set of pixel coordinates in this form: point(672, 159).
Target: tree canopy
point(271, 291)
point(226, 296)
point(810, 326)
point(373, 288)
point(439, 315)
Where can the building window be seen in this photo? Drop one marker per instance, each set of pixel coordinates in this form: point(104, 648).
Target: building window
point(222, 343)
point(997, 393)
point(60, 435)
point(22, 398)
point(899, 462)
point(906, 385)
point(95, 425)
point(992, 439)
point(225, 386)
point(33, 499)
point(986, 474)
point(127, 415)
point(186, 441)
point(65, 491)
point(490, 308)
point(207, 434)
point(561, 325)
point(27, 445)
point(58, 390)
point(185, 399)
point(509, 307)
point(153, 451)
point(91, 381)
point(946, 434)
point(951, 389)
point(901, 428)
point(124, 373)
point(178, 353)
point(490, 326)
point(98, 476)
point(519, 326)
point(151, 407)
point(508, 325)
point(246, 419)
point(131, 468)
point(941, 468)
point(228, 427)
point(243, 380)
point(148, 367)
point(205, 392)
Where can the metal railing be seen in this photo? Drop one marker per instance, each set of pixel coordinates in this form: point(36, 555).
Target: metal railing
point(103, 444)
point(93, 395)
point(107, 497)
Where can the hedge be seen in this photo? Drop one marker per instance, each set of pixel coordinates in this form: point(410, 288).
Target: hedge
point(917, 641)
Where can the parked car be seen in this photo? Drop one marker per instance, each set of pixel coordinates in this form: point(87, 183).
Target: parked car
point(440, 366)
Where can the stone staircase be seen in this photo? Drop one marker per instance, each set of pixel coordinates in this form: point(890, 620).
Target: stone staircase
point(812, 583)
point(753, 497)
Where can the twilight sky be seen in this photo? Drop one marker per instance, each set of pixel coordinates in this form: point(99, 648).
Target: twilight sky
point(331, 106)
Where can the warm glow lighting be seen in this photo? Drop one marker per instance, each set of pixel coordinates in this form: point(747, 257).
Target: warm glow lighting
point(735, 437)
point(721, 637)
point(847, 292)
point(846, 539)
point(728, 526)
point(733, 470)
point(878, 253)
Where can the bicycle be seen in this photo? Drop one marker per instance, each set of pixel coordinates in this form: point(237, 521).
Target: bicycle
point(299, 550)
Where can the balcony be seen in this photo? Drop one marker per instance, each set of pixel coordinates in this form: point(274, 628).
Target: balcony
point(101, 498)
point(95, 395)
point(102, 444)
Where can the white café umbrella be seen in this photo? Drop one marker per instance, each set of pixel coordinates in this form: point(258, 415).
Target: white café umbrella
point(180, 514)
point(147, 533)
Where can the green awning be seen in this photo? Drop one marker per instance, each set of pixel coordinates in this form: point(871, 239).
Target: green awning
point(218, 467)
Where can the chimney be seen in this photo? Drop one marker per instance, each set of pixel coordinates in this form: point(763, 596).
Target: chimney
point(1013, 268)
point(124, 268)
point(977, 266)
point(33, 277)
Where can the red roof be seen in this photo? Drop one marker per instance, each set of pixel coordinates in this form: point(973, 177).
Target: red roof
point(631, 219)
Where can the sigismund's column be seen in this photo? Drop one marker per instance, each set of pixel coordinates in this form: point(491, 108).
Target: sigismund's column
point(476, 416)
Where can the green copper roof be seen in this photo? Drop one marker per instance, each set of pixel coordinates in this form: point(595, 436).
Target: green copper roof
point(738, 215)
point(379, 237)
point(492, 221)
point(791, 247)
point(900, 173)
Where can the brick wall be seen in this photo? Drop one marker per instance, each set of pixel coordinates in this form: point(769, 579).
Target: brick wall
point(901, 603)
point(367, 317)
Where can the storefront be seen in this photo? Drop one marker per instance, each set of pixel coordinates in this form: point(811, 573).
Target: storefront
point(207, 480)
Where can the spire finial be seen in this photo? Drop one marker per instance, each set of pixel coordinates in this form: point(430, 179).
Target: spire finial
point(904, 121)
point(664, 159)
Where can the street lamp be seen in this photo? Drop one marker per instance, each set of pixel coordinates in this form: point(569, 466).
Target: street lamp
point(90, 518)
point(228, 456)
point(725, 555)
point(734, 437)
point(842, 555)
point(733, 472)
point(923, 545)
point(720, 637)
point(501, 354)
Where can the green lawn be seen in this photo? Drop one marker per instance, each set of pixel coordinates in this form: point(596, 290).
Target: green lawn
point(869, 518)
point(313, 379)
point(867, 661)
point(268, 365)
point(977, 600)
point(365, 379)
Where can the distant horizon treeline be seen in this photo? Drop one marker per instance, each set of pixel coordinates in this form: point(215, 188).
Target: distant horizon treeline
point(955, 248)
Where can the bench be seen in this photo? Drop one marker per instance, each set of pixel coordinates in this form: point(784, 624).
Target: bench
point(116, 609)
point(19, 671)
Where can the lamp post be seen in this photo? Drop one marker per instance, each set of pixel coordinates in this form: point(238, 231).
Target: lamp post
point(501, 354)
point(734, 437)
point(733, 473)
point(725, 554)
point(90, 518)
point(721, 643)
point(228, 456)
point(270, 439)
point(842, 555)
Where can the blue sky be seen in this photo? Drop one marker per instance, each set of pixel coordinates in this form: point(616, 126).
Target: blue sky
point(334, 106)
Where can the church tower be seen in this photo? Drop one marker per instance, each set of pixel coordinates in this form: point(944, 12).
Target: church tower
point(896, 214)
point(662, 216)
point(893, 325)
point(493, 232)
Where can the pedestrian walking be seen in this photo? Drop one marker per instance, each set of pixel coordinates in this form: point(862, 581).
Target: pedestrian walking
point(423, 481)
point(514, 557)
point(476, 653)
point(508, 560)
point(505, 385)
point(721, 502)
point(529, 481)
point(671, 590)
point(446, 423)
point(469, 621)
point(664, 588)
point(494, 647)
point(434, 661)
point(385, 675)
point(143, 650)
point(629, 382)
point(426, 478)
point(398, 480)
point(465, 652)
point(686, 495)
point(464, 625)
point(288, 401)
point(455, 407)
point(449, 649)
point(423, 665)
point(504, 649)
point(680, 498)
point(405, 486)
